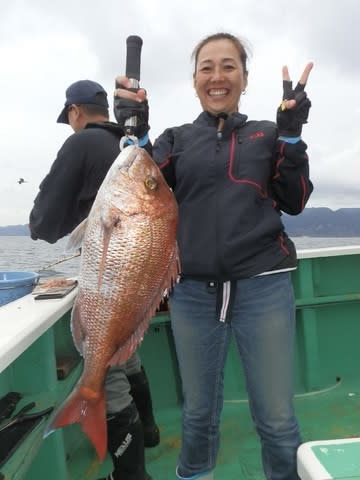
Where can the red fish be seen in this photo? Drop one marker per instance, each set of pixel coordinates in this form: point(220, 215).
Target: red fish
point(128, 260)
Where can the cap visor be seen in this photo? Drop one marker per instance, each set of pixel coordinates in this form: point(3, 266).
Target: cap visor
point(63, 117)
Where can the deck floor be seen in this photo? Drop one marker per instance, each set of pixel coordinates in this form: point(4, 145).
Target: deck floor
point(334, 413)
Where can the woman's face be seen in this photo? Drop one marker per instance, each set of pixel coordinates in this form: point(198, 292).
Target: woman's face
point(219, 77)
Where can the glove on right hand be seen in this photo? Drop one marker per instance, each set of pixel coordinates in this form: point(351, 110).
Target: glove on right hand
point(125, 108)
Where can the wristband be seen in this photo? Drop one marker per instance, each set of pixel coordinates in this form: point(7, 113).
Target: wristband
point(141, 142)
point(289, 139)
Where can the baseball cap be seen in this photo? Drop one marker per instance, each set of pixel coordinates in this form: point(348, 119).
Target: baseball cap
point(80, 93)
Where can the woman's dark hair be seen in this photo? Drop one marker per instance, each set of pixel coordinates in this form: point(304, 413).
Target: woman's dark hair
point(238, 44)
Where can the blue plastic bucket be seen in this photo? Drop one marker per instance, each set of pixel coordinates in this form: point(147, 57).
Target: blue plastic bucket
point(14, 285)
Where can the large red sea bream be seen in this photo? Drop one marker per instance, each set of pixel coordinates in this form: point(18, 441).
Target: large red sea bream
point(128, 260)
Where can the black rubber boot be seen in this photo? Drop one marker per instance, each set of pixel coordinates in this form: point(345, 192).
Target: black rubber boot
point(140, 392)
point(126, 446)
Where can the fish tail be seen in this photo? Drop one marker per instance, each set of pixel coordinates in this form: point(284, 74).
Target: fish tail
point(88, 409)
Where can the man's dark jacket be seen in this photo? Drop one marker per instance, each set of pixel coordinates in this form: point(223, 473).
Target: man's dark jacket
point(69, 190)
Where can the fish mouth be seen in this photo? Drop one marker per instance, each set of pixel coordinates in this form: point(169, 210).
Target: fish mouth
point(129, 154)
point(133, 164)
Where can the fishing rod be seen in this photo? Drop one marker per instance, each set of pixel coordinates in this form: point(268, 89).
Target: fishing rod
point(77, 254)
point(133, 59)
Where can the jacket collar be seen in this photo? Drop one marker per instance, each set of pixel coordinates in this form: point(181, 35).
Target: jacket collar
point(110, 126)
point(233, 121)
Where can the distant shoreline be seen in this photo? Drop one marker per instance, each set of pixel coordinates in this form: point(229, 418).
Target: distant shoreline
point(312, 222)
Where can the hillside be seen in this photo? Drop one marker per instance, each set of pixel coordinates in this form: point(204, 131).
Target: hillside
point(15, 230)
point(324, 222)
point(312, 222)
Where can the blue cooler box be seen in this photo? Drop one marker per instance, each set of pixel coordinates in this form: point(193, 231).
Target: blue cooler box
point(14, 285)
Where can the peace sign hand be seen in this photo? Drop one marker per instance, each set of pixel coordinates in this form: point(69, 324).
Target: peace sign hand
point(294, 109)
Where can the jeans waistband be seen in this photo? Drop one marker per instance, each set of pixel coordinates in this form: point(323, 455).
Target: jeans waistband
point(225, 295)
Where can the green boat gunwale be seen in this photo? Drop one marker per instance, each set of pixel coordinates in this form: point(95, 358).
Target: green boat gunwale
point(327, 290)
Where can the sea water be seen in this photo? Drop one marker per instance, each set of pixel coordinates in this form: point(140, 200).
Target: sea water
point(21, 253)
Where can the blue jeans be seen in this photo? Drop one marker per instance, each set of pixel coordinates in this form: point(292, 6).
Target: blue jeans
point(262, 319)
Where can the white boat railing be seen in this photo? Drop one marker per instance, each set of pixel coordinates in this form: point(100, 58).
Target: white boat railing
point(24, 320)
point(328, 251)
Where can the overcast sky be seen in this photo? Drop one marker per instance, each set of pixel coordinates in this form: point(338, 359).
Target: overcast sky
point(46, 45)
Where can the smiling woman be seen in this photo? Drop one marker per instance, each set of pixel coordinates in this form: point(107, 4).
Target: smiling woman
point(232, 178)
point(220, 75)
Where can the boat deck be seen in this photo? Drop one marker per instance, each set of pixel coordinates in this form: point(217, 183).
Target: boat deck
point(332, 413)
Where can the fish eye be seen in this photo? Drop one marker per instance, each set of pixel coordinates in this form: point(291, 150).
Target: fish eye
point(150, 183)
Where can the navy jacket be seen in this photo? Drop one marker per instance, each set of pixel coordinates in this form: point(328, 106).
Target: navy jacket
point(69, 190)
point(231, 192)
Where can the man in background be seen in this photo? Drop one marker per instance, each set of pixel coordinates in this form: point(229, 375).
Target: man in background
point(64, 200)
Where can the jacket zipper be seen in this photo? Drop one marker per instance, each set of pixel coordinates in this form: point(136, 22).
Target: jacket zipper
point(220, 127)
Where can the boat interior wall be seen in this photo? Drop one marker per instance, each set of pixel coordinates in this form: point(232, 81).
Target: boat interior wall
point(45, 373)
point(327, 290)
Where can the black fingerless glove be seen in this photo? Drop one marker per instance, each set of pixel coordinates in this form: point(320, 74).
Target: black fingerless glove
point(125, 108)
point(291, 120)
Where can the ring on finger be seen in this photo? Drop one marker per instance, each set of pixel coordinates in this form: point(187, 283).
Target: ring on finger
point(283, 105)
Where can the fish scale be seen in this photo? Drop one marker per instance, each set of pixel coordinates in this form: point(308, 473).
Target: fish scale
point(129, 258)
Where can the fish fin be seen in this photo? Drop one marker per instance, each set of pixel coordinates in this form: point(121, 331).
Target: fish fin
point(77, 331)
point(76, 237)
point(88, 410)
point(174, 268)
point(108, 226)
point(125, 352)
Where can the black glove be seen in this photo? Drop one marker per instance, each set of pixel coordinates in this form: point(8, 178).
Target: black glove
point(125, 108)
point(291, 120)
